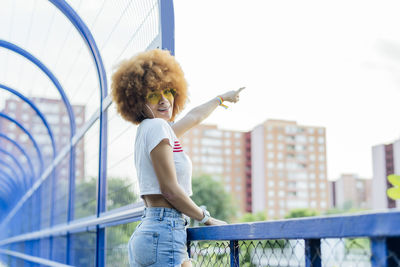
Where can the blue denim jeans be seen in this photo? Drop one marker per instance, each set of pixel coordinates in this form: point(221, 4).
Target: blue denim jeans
point(159, 240)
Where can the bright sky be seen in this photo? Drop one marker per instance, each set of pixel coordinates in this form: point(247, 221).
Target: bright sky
point(333, 64)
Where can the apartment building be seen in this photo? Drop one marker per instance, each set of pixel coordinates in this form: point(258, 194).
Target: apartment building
point(351, 191)
point(56, 116)
point(220, 154)
point(289, 169)
point(385, 161)
point(276, 167)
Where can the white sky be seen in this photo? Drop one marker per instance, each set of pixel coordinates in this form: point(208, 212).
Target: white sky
point(333, 64)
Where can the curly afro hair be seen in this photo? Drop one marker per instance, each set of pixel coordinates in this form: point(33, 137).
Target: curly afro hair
point(151, 70)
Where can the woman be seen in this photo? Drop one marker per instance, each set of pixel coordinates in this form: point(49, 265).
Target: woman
point(150, 90)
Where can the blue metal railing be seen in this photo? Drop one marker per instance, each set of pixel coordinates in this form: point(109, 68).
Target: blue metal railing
point(382, 229)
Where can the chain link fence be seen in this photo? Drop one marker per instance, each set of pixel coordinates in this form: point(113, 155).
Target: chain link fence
point(355, 252)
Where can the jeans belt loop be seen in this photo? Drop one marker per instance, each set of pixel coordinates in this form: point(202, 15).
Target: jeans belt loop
point(161, 214)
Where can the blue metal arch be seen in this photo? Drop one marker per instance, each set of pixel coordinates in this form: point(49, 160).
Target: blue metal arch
point(16, 186)
point(57, 84)
point(102, 182)
point(22, 150)
point(24, 176)
point(38, 151)
point(10, 182)
point(4, 177)
point(38, 112)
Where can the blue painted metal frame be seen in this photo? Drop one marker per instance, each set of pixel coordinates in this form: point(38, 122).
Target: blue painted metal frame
point(22, 150)
point(382, 228)
point(11, 181)
point(70, 113)
point(71, 116)
point(167, 25)
point(102, 181)
point(167, 17)
point(16, 161)
point(53, 145)
point(38, 151)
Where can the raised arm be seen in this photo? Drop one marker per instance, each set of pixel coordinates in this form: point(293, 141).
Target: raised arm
point(199, 113)
point(163, 162)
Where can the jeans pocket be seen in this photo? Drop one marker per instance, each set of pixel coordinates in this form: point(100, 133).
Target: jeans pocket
point(144, 247)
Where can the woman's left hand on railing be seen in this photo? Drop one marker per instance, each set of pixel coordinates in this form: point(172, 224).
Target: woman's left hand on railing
point(213, 221)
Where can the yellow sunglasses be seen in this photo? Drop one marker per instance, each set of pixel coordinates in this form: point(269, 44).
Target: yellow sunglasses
point(153, 97)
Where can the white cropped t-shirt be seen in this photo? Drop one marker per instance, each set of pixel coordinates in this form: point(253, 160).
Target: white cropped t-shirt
point(149, 134)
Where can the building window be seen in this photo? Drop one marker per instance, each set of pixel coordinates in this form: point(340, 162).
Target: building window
point(270, 146)
point(301, 139)
point(280, 165)
point(271, 212)
point(311, 139)
point(271, 183)
point(271, 193)
point(270, 165)
point(12, 106)
point(271, 155)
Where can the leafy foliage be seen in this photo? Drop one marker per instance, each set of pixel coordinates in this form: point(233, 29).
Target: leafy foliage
point(298, 213)
point(119, 194)
point(211, 194)
point(253, 217)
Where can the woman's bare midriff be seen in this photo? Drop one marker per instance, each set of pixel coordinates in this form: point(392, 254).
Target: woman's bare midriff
point(156, 201)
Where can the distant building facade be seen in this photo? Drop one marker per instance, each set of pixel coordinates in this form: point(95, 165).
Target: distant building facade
point(385, 161)
point(351, 191)
point(57, 117)
point(220, 154)
point(289, 168)
point(276, 167)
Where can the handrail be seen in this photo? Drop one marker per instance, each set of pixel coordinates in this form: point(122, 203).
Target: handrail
point(106, 218)
point(371, 224)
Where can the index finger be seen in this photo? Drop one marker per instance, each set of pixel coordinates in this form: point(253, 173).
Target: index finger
point(240, 89)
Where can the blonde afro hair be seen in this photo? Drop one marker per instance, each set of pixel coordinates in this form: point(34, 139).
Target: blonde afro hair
point(151, 70)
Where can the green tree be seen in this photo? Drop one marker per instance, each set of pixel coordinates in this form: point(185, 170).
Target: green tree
point(298, 213)
point(253, 217)
point(119, 193)
point(211, 194)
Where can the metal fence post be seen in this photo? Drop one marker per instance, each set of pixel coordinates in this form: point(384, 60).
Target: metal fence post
point(313, 252)
point(234, 248)
point(385, 251)
point(379, 252)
